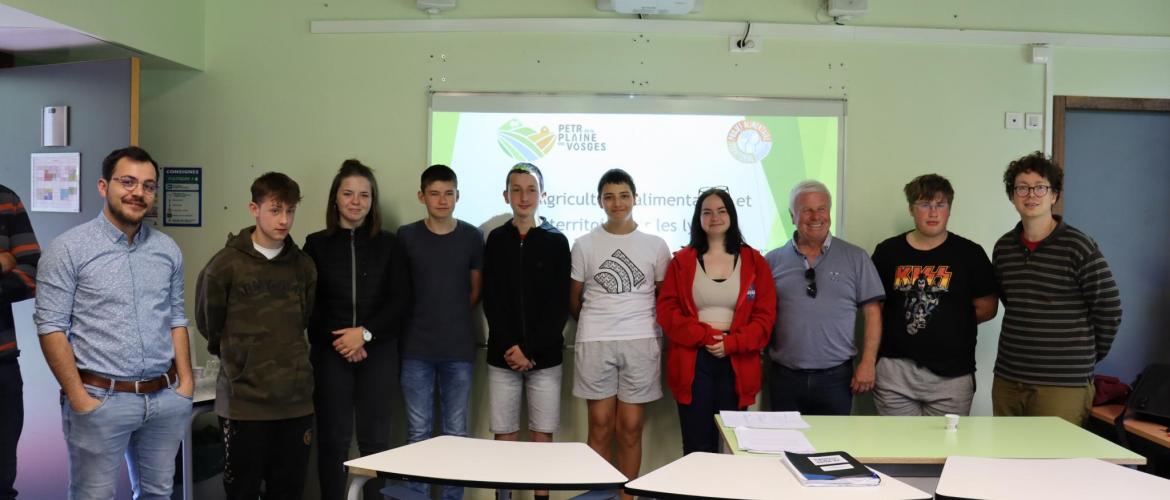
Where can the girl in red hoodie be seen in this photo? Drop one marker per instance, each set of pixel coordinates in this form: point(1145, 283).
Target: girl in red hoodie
point(716, 309)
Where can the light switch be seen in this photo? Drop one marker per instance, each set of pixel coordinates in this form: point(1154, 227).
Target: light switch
point(1034, 121)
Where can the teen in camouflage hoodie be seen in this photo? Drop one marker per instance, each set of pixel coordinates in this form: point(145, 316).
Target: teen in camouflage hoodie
point(252, 304)
point(253, 312)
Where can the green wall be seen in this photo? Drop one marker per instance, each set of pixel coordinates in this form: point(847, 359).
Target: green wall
point(275, 97)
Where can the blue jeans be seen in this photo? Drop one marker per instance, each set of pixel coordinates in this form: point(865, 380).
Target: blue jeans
point(812, 392)
point(145, 428)
point(418, 392)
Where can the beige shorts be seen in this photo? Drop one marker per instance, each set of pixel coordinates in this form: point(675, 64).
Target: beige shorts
point(628, 369)
point(505, 388)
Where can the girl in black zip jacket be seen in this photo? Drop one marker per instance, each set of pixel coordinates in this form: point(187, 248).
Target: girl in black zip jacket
point(526, 301)
point(354, 326)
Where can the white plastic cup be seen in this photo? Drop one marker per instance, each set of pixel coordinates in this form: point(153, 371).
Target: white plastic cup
point(952, 422)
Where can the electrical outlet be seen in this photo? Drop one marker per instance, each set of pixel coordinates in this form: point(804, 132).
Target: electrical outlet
point(1012, 119)
point(1033, 121)
point(738, 45)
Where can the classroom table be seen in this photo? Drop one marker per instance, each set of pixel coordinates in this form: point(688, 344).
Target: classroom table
point(711, 475)
point(202, 401)
point(486, 463)
point(1069, 478)
point(1150, 431)
point(925, 440)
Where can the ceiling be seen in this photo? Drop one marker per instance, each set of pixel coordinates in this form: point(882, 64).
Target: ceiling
point(36, 40)
point(24, 32)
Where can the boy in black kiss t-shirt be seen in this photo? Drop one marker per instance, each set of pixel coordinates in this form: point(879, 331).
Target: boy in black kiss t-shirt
point(939, 287)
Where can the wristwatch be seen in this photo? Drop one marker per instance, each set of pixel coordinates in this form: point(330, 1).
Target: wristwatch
point(366, 335)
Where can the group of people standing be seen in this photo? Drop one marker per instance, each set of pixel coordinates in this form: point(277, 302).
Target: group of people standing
point(110, 315)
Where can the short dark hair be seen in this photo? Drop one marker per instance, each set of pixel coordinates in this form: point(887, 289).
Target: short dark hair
point(616, 176)
point(734, 238)
point(132, 152)
point(525, 168)
point(353, 168)
point(927, 187)
point(1038, 164)
point(437, 173)
point(277, 186)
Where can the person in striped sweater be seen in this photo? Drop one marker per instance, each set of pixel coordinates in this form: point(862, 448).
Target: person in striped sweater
point(1061, 304)
point(19, 254)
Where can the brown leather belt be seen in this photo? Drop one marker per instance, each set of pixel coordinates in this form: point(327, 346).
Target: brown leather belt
point(136, 386)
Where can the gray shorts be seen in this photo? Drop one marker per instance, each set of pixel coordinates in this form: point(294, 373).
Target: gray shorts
point(505, 388)
point(628, 369)
point(903, 388)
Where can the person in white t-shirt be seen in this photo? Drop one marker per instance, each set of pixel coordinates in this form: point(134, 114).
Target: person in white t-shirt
point(616, 271)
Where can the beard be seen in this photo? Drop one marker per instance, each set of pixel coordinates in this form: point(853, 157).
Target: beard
point(120, 213)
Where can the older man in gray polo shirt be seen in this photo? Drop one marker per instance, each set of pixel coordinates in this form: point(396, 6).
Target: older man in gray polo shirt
point(821, 282)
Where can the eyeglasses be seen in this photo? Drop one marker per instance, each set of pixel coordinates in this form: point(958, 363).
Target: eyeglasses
point(712, 189)
point(927, 206)
point(1040, 191)
point(810, 279)
point(130, 182)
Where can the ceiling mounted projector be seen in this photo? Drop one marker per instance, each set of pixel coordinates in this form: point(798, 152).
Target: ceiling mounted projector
point(847, 9)
point(435, 6)
point(655, 7)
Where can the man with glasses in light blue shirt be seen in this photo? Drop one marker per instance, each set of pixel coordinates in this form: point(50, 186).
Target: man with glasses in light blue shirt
point(109, 312)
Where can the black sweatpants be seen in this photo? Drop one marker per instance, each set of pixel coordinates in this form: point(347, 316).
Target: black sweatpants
point(343, 391)
point(11, 422)
point(274, 453)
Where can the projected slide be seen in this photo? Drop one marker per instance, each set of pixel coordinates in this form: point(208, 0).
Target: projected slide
point(672, 156)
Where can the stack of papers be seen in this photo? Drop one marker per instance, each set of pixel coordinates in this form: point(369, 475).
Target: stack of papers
point(834, 468)
point(772, 440)
point(763, 419)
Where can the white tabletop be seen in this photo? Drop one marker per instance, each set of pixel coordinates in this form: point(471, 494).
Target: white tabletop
point(485, 463)
point(203, 394)
point(711, 475)
point(1064, 478)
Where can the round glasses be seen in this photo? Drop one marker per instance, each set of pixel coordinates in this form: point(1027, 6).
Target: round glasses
point(129, 182)
point(1040, 191)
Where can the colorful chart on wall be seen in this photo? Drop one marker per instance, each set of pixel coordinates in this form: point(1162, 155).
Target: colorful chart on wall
point(673, 147)
point(56, 182)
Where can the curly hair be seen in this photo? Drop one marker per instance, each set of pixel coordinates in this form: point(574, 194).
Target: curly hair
point(1038, 164)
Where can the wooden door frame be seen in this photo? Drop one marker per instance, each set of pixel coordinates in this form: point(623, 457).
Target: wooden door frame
point(1064, 103)
point(135, 75)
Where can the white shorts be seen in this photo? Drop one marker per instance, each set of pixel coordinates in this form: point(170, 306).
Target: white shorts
point(628, 369)
point(505, 388)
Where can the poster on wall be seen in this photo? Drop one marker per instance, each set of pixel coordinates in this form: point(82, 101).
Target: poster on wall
point(183, 196)
point(56, 182)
